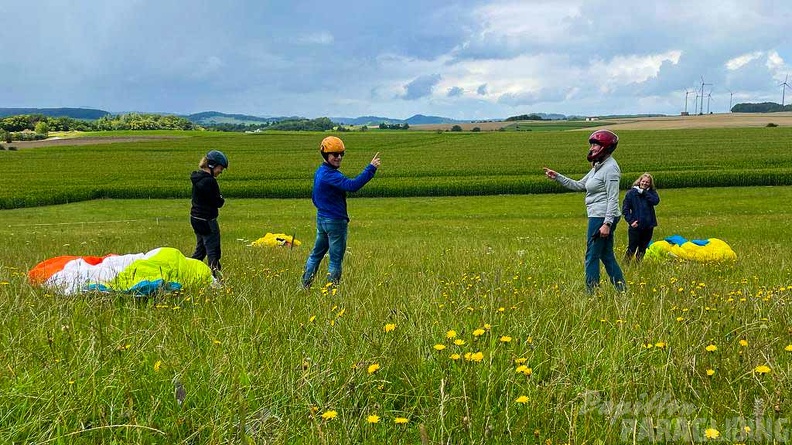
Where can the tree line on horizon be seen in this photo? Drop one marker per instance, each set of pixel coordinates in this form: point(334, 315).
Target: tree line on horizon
point(763, 107)
point(25, 127)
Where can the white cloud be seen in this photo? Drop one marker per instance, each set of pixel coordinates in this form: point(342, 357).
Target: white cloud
point(321, 38)
point(777, 66)
point(623, 70)
point(740, 61)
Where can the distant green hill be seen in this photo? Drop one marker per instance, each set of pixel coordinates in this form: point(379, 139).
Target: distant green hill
point(74, 113)
point(215, 117)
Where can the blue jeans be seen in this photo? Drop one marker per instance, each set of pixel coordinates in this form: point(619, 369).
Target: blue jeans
point(601, 249)
point(331, 235)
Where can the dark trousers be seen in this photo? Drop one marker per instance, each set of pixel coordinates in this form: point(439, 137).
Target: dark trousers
point(207, 242)
point(638, 241)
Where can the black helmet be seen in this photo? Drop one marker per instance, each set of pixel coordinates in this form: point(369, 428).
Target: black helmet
point(216, 157)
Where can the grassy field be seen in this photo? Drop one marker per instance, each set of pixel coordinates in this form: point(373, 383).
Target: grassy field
point(460, 319)
point(532, 358)
point(280, 165)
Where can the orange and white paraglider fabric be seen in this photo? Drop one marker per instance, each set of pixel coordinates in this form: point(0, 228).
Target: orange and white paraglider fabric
point(162, 269)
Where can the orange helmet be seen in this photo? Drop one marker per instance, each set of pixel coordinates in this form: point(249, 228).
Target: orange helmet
point(332, 144)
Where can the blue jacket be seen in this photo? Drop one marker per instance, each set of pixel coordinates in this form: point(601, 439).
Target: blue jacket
point(640, 207)
point(331, 186)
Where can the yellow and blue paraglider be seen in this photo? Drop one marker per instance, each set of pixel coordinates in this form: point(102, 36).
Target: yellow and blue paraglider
point(704, 251)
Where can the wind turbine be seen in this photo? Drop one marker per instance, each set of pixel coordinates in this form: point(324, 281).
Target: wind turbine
point(687, 93)
point(702, 94)
point(709, 97)
point(784, 86)
point(695, 104)
point(731, 94)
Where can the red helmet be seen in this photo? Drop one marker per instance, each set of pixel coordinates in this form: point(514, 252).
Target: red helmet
point(606, 139)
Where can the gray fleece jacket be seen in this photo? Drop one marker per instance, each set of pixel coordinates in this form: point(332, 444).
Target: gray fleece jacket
point(602, 189)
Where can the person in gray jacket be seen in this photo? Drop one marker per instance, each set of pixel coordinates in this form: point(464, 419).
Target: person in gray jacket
point(601, 185)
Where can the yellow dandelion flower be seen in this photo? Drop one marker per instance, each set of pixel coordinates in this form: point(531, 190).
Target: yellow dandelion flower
point(711, 348)
point(439, 347)
point(647, 345)
point(521, 399)
point(373, 418)
point(743, 342)
point(762, 369)
point(711, 433)
point(459, 342)
point(455, 356)
point(522, 369)
point(710, 372)
point(217, 342)
point(157, 365)
point(505, 339)
point(401, 420)
point(451, 334)
point(501, 309)
point(487, 326)
point(788, 348)
point(327, 415)
point(390, 326)
point(311, 320)
point(477, 356)
point(660, 344)
point(478, 332)
point(520, 361)
point(680, 319)
point(374, 367)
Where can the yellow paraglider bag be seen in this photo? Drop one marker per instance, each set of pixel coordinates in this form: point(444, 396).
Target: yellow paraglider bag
point(275, 240)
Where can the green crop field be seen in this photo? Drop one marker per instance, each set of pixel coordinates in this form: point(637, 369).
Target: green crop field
point(689, 349)
point(280, 165)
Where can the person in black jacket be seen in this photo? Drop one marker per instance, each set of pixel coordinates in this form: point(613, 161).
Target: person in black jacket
point(638, 209)
point(206, 200)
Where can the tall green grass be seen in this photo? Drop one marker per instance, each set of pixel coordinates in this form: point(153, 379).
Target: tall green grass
point(261, 361)
point(281, 165)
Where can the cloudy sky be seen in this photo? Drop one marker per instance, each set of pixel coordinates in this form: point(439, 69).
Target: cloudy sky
point(464, 59)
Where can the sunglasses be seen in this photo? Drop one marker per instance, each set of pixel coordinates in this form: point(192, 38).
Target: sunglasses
point(337, 155)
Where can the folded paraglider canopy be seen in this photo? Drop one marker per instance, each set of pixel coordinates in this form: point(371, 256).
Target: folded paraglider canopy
point(705, 251)
point(163, 269)
point(274, 240)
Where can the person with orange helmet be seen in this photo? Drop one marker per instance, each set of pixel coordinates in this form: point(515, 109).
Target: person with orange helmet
point(601, 185)
point(330, 188)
